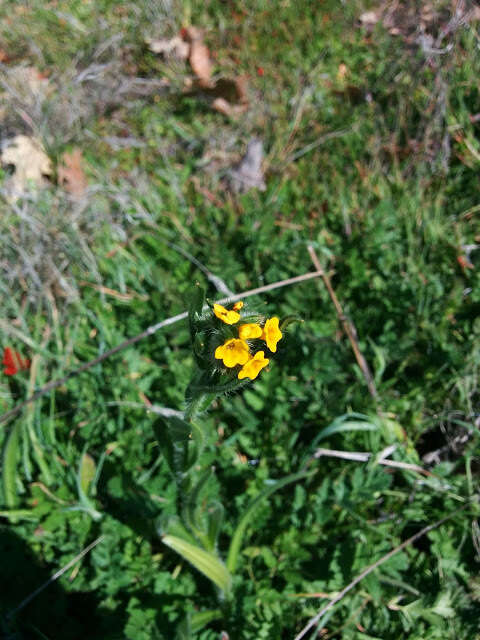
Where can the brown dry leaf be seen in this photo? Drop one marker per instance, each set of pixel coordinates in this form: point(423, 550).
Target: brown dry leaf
point(232, 110)
point(174, 47)
point(230, 96)
point(4, 57)
point(370, 18)
point(71, 175)
point(241, 85)
point(199, 57)
point(30, 162)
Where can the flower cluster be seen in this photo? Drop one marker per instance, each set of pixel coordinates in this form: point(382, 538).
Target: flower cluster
point(236, 351)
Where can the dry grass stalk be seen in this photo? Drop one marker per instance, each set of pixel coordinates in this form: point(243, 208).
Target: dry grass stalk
point(347, 325)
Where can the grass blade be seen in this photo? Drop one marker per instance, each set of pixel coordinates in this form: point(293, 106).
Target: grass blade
point(237, 538)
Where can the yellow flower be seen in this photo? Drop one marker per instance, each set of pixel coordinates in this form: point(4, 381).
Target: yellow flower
point(249, 331)
point(271, 333)
point(233, 352)
point(253, 367)
point(238, 305)
point(229, 317)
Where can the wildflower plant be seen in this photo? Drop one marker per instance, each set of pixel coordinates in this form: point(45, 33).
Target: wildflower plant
point(232, 346)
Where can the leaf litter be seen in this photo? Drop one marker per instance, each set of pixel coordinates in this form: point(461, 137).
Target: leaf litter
point(248, 173)
point(31, 165)
point(71, 175)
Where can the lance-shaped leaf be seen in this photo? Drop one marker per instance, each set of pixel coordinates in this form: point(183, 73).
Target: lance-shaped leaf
point(346, 422)
point(9, 471)
point(179, 441)
point(196, 301)
point(215, 518)
point(205, 562)
point(86, 473)
point(236, 542)
point(287, 320)
point(85, 477)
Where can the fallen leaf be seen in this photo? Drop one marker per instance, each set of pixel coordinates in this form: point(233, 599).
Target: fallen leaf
point(199, 56)
point(369, 18)
point(30, 162)
point(230, 96)
point(248, 173)
point(71, 175)
point(4, 57)
point(342, 71)
point(223, 106)
point(233, 90)
point(174, 47)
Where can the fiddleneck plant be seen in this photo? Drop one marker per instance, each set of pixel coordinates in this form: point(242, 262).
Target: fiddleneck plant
point(229, 344)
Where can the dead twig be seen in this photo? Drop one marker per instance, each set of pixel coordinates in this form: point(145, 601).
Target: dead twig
point(217, 282)
point(144, 334)
point(347, 325)
point(316, 619)
point(364, 456)
point(55, 576)
point(166, 412)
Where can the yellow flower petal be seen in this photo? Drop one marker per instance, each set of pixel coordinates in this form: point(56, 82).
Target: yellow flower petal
point(249, 331)
point(253, 367)
point(229, 317)
point(238, 305)
point(233, 352)
point(272, 334)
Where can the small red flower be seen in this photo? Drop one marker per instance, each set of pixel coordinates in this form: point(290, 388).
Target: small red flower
point(260, 71)
point(14, 362)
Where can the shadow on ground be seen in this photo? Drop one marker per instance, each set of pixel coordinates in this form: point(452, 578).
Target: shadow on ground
point(56, 613)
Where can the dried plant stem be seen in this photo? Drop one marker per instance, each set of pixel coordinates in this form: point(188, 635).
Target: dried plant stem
point(361, 456)
point(316, 619)
point(55, 576)
point(347, 325)
point(148, 332)
point(217, 282)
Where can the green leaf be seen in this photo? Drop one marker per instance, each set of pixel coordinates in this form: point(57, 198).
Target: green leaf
point(202, 618)
point(184, 629)
point(85, 476)
point(19, 514)
point(195, 622)
point(215, 519)
point(346, 422)
point(173, 526)
point(205, 562)
point(193, 499)
point(86, 472)
point(9, 471)
point(236, 542)
point(195, 306)
point(290, 319)
point(174, 438)
point(205, 385)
